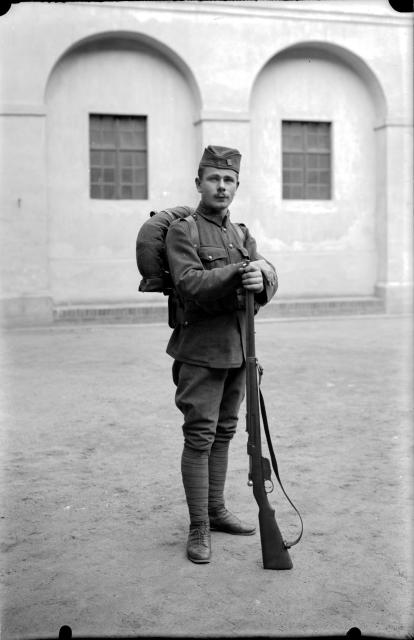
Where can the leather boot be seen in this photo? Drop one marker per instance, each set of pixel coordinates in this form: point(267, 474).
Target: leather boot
point(223, 520)
point(199, 543)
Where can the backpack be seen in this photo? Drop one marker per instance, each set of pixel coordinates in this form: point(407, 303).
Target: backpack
point(151, 255)
point(150, 248)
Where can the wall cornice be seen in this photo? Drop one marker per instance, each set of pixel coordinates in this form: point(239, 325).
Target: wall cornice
point(266, 10)
point(19, 109)
point(397, 122)
point(223, 116)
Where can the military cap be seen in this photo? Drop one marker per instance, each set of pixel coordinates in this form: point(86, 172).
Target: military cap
point(221, 158)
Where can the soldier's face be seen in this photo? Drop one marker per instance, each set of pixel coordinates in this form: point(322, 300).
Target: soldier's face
point(217, 187)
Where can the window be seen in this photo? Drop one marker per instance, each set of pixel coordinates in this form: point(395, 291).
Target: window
point(118, 157)
point(306, 160)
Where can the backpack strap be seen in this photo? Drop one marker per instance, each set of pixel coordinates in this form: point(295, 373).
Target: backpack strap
point(241, 231)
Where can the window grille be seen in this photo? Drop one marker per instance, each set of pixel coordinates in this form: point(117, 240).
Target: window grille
point(118, 157)
point(306, 153)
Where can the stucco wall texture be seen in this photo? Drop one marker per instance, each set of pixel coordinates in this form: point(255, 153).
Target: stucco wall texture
point(205, 73)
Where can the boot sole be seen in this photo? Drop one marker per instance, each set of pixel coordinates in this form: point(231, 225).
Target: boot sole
point(233, 533)
point(198, 561)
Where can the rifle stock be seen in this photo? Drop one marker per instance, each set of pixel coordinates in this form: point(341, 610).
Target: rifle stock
point(274, 550)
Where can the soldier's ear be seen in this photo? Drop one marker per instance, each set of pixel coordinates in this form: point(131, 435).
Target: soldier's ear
point(198, 184)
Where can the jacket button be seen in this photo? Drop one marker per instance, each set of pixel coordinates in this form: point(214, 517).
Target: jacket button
point(224, 228)
point(210, 257)
point(230, 246)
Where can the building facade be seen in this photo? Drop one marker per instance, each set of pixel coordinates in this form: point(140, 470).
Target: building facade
point(106, 108)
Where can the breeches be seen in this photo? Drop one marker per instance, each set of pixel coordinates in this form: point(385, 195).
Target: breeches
point(209, 400)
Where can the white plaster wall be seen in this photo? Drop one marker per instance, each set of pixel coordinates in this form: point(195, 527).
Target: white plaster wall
point(23, 254)
point(399, 144)
point(319, 246)
point(223, 45)
point(92, 242)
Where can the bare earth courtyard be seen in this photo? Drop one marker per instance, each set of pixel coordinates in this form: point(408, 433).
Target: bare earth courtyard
point(94, 521)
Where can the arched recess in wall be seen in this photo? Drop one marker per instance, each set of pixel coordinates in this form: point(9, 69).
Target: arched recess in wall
point(332, 246)
point(92, 240)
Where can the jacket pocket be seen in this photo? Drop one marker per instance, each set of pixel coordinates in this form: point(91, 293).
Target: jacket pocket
point(244, 253)
point(213, 257)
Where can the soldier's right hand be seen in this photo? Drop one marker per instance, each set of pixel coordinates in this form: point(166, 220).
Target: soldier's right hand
point(251, 276)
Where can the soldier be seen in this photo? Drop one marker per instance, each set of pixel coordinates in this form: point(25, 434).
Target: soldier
point(208, 343)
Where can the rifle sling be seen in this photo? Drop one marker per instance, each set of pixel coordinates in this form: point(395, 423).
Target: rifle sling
point(274, 461)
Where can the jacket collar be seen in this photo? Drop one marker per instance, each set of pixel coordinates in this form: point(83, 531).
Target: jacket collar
point(220, 219)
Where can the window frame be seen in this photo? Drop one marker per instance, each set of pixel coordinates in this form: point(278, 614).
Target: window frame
point(118, 150)
point(305, 152)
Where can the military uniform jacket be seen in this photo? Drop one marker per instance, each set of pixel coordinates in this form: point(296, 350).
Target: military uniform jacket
point(208, 283)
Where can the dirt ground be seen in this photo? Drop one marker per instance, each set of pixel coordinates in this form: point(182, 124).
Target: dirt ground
point(94, 519)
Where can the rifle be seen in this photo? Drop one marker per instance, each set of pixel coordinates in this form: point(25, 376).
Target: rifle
point(274, 549)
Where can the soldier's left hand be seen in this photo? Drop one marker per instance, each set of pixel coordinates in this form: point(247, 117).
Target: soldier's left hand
point(252, 278)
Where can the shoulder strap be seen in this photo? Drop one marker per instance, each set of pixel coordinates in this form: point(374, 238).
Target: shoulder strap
point(195, 236)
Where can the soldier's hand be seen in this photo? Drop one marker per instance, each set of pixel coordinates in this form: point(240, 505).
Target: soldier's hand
point(251, 276)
